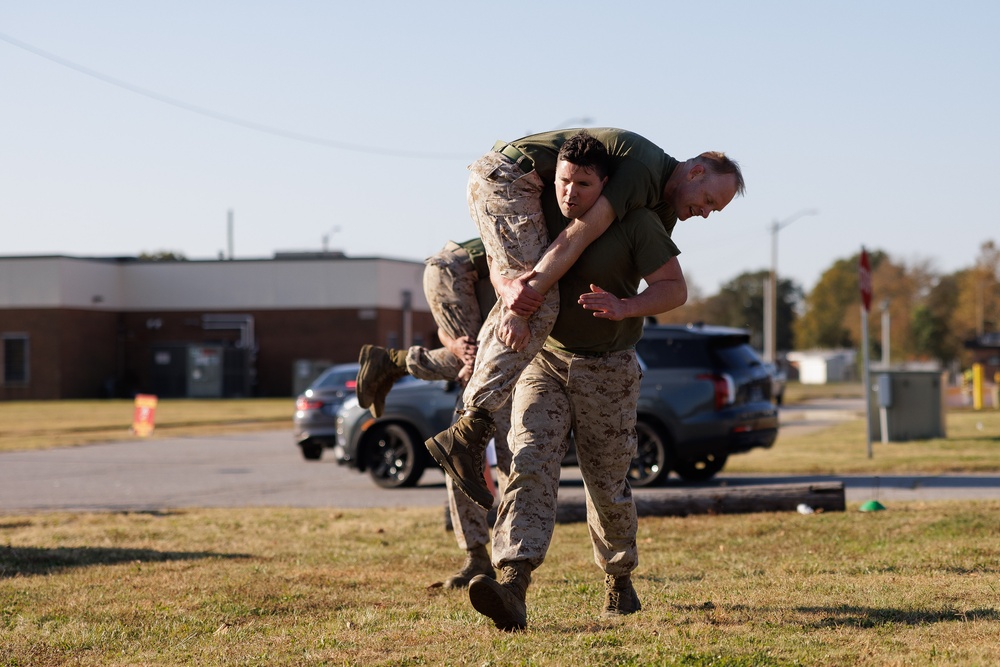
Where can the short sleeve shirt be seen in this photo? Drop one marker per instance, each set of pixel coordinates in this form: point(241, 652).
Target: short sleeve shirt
point(632, 248)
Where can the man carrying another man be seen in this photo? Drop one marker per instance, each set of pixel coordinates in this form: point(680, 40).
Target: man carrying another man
point(586, 377)
point(505, 199)
point(456, 284)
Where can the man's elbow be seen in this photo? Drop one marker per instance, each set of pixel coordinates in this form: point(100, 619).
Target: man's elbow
point(680, 294)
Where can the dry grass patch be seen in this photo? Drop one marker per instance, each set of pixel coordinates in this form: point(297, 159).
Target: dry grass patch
point(796, 392)
point(46, 424)
point(913, 585)
point(972, 445)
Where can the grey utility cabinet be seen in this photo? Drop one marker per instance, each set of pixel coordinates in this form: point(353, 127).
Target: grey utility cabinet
point(907, 404)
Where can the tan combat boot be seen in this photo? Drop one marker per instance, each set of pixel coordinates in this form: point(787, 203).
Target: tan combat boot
point(460, 449)
point(503, 600)
point(380, 368)
point(620, 598)
point(477, 561)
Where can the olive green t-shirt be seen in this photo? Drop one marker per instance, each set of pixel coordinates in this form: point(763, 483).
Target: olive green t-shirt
point(631, 249)
point(639, 168)
point(485, 294)
point(477, 255)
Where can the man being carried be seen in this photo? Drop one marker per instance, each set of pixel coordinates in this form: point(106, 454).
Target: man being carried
point(458, 290)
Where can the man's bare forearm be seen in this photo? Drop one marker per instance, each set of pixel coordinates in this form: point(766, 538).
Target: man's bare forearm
point(658, 297)
point(570, 244)
point(665, 290)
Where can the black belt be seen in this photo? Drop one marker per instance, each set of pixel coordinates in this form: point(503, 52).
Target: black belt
point(520, 159)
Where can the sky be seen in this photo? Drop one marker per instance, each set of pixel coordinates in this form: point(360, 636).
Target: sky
point(133, 127)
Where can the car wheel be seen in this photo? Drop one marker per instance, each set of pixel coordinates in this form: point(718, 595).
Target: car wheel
point(702, 469)
point(394, 458)
point(311, 450)
point(651, 464)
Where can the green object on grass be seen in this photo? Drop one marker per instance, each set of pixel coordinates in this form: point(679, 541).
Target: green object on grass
point(872, 506)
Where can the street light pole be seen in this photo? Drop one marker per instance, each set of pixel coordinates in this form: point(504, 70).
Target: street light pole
point(326, 238)
point(886, 340)
point(771, 295)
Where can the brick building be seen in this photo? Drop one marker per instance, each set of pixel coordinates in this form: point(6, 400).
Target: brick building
point(73, 327)
point(985, 350)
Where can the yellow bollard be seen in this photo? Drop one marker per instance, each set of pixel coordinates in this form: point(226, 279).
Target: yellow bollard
point(977, 386)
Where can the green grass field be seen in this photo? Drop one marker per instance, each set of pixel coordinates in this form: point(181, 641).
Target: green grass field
point(45, 424)
point(916, 585)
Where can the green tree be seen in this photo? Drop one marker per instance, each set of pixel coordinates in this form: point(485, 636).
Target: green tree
point(740, 303)
point(162, 256)
point(902, 289)
point(933, 335)
point(825, 324)
point(977, 303)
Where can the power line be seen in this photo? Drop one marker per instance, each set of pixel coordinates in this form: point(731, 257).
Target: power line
point(226, 118)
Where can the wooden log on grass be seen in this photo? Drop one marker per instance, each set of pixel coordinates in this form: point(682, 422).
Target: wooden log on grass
point(820, 496)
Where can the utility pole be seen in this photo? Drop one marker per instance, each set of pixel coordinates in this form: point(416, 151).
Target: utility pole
point(885, 334)
point(326, 238)
point(771, 294)
point(229, 232)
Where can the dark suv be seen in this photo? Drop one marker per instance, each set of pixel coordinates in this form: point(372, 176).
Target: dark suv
point(705, 394)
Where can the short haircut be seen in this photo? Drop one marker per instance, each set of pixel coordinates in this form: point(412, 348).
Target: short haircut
point(584, 150)
point(719, 163)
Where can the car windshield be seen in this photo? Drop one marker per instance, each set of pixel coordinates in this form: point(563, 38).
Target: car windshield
point(723, 350)
point(673, 353)
point(339, 378)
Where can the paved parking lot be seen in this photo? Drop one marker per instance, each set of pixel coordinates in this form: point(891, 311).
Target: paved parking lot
point(266, 469)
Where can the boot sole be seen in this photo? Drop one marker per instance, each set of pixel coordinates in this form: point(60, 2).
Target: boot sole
point(489, 602)
point(481, 497)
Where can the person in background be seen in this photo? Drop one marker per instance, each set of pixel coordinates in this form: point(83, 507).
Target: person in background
point(458, 290)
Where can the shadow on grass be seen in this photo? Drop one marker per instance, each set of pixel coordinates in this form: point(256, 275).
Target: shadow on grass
point(901, 481)
point(978, 438)
point(870, 617)
point(27, 561)
point(861, 617)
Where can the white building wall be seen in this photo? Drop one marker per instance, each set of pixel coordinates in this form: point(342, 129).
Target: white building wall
point(823, 366)
point(812, 371)
point(65, 282)
point(53, 282)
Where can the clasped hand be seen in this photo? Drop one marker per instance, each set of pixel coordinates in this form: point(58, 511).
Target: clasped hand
point(517, 295)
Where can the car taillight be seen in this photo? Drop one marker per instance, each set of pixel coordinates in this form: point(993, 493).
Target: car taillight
point(303, 404)
point(351, 384)
point(725, 388)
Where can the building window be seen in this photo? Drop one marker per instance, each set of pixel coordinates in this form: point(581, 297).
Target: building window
point(15, 359)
